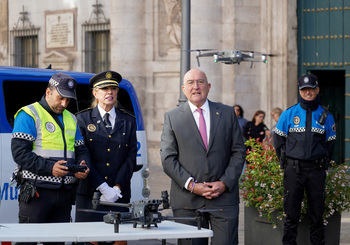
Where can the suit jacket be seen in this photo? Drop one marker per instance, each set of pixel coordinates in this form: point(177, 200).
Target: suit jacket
point(183, 155)
point(113, 156)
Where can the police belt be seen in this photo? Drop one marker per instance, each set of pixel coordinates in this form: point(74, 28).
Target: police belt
point(318, 164)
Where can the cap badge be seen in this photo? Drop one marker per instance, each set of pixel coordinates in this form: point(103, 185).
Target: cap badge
point(91, 128)
point(108, 75)
point(70, 84)
point(306, 79)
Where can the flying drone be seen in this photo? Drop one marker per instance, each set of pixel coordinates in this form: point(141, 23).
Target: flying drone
point(232, 56)
point(143, 212)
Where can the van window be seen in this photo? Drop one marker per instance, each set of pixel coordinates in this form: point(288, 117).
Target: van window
point(20, 93)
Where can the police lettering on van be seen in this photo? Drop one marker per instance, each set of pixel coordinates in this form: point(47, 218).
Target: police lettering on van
point(21, 86)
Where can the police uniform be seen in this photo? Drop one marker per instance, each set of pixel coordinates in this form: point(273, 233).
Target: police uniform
point(41, 138)
point(113, 154)
point(304, 140)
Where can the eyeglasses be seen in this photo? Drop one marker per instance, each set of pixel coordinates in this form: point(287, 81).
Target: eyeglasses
point(304, 90)
point(191, 83)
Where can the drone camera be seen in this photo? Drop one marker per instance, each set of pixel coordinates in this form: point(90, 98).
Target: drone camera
point(165, 199)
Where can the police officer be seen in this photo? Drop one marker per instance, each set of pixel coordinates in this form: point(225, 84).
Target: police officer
point(304, 141)
point(45, 139)
point(110, 135)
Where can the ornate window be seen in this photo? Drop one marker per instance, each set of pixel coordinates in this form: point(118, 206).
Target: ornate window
point(96, 42)
point(24, 43)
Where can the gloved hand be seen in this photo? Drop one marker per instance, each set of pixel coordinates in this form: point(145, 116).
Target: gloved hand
point(109, 194)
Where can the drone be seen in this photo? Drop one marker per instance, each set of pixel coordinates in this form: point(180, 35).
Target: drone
point(232, 56)
point(143, 212)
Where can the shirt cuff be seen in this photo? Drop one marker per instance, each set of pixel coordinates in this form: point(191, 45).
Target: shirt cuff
point(188, 181)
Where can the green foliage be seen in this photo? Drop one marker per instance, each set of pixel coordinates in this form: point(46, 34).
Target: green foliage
point(262, 184)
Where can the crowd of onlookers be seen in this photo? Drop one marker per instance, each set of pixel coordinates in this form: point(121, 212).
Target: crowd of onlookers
point(256, 128)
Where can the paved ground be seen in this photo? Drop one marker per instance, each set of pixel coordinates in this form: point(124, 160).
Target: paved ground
point(159, 181)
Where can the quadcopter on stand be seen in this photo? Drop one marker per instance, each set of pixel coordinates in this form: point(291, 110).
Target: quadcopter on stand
point(232, 56)
point(144, 212)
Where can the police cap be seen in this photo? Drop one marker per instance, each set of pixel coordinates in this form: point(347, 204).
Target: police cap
point(64, 84)
point(307, 81)
point(105, 79)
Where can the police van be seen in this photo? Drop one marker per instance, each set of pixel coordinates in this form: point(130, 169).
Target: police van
point(21, 86)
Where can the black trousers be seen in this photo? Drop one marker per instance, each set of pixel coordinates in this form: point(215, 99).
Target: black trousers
point(296, 181)
point(51, 206)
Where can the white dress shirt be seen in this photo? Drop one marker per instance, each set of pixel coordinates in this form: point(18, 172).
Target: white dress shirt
point(112, 114)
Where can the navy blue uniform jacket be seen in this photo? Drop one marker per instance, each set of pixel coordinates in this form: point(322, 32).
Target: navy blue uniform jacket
point(113, 157)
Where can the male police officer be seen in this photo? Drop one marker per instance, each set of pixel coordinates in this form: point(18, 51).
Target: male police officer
point(304, 141)
point(46, 138)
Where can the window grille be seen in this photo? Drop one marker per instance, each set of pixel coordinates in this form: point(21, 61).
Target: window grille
point(24, 43)
point(96, 42)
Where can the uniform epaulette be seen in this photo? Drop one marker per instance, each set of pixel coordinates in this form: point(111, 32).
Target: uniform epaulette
point(291, 107)
point(87, 109)
point(126, 112)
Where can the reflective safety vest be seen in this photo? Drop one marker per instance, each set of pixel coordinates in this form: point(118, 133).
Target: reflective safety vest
point(51, 143)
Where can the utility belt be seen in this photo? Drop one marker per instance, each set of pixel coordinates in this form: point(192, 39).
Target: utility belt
point(316, 164)
point(28, 182)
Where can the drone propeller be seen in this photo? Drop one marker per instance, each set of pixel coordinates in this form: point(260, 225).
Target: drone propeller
point(261, 53)
point(203, 210)
point(200, 50)
point(199, 53)
point(94, 211)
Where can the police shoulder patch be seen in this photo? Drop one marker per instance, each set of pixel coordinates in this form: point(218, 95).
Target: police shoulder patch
point(296, 120)
point(50, 127)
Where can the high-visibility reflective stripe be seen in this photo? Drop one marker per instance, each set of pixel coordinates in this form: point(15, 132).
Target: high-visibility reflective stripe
point(53, 153)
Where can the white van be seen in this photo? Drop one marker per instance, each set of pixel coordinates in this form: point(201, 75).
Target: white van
point(22, 86)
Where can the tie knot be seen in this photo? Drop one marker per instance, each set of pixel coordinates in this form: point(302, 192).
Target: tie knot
point(200, 110)
point(106, 121)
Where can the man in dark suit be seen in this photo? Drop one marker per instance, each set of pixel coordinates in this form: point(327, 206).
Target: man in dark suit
point(204, 166)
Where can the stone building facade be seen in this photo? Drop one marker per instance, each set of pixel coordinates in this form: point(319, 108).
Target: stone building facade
point(145, 48)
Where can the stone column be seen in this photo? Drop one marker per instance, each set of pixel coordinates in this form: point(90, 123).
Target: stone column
point(4, 32)
point(207, 33)
point(278, 37)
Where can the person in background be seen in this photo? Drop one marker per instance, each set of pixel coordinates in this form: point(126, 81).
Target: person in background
point(239, 113)
point(256, 129)
point(275, 114)
point(202, 151)
point(304, 140)
point(110, 135)
point(45, 139)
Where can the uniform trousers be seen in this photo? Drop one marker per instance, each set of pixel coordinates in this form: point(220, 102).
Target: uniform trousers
point(298, 179)
point(223, 222)
point(52, 206)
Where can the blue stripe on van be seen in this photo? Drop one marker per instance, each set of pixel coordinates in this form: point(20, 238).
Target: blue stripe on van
point(8, 73)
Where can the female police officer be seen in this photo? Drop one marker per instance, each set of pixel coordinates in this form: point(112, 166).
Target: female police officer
point(110, 135)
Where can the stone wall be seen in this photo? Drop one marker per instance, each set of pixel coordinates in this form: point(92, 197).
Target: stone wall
point(3, 32)
point(145, 49)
